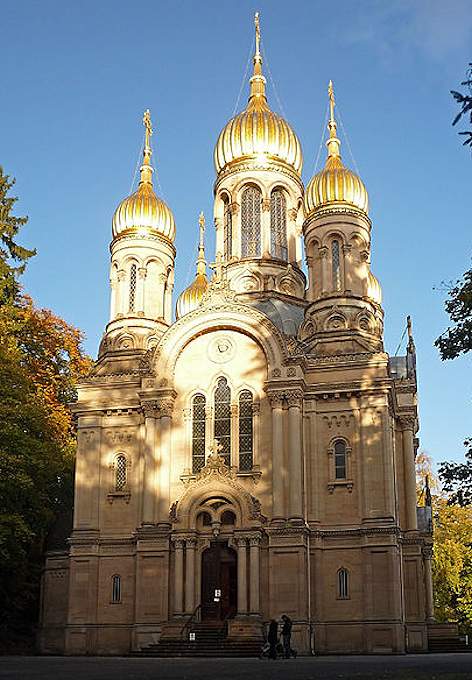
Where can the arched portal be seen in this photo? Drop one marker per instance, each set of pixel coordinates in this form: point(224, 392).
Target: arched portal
point(219, 589)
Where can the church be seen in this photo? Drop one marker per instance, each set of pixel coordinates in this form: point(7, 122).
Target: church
point(254, 456)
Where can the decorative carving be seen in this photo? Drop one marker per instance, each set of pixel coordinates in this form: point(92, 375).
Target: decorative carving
point(166, 407)
point(407, 422)
point(292, 213)
point(234, 207)
point(151, 408)
point(341, 420)
point(291, 372)
point(87, 435)
point(294, 398)
point(221, 349)
point(276, 373)
point(323, 252)
point(276, 399)
point(178, 542)
point(265, 203)
point(427, 551)
point(173, 513)
point(119, 436)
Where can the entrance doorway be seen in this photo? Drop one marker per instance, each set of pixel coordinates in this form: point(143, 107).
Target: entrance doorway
point(219, 582)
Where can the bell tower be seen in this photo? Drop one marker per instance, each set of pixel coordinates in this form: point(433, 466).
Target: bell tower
point(258, 197)
point(345, 314)
point(142, 263)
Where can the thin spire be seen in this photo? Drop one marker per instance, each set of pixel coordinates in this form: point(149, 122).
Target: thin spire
point(146, 168)
point(257, 93)
point(333, 142)
point(201, 262)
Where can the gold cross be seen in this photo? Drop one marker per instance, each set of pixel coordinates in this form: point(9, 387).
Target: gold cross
point(148, 125)
point(258, 31)
point(332, 102)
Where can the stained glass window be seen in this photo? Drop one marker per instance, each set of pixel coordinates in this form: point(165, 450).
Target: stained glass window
point(251, 222)
point(223, 418)
point(278, 225)
point(343, 583)
point(228, 229)
point(120, 472)
point(245, 431)
point(336, 265)
point(198, 432)
point(132, 287)
point(340, 459)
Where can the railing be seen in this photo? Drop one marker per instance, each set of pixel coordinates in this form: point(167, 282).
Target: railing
point(223, 629)
point(193, 618)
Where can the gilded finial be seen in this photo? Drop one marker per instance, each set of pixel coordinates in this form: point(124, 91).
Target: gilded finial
point(201, 262)
point(146, 168)
point(258, 82)
point(333, 142)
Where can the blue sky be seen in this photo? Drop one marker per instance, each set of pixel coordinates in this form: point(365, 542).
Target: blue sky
point(77, 76)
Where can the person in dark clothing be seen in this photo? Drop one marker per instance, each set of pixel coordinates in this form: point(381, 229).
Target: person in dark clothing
point(286, 635)
point(272, 638)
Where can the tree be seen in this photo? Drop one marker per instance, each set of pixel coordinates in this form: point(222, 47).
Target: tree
point(13, 257)
point(457, 340)
point(465, 101)
point(457, 478)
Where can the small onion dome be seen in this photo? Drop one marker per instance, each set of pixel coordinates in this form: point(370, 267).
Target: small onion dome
point(144, 212)
point(191, 297)
point(257, 132)
point(335, 184)
point(374, 291)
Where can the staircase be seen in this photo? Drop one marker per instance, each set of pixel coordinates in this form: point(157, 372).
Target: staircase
point(448, 644)
point(210, 641)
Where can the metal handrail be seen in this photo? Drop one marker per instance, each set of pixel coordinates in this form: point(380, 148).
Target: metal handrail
point(190, 621)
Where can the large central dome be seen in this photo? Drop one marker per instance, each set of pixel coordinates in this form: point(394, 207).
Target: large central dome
point(257, 133)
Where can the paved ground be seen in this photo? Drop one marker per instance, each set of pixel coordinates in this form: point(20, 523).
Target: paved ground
point(411, 667)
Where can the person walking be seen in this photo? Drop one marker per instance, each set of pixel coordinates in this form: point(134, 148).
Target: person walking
point(272, 638)
point(286, 635)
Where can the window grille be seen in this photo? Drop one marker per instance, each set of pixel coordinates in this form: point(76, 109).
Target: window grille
point(336, 265)
point(228, 229)
point(132, 287)
point(245, 431)
point(251, 222)
point(343, 584)
point(278, 225)
point(340, 460)
point(198, 432)
point(121, 472)
point(116, 589)
point(223, 418)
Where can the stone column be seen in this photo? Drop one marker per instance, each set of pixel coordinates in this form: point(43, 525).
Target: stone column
point(428, 583)
point(265, 227)
point(347, 267)
point(254, 567)
point(295, 465)
point(178, 576)
point(191, 544)
point(276, 399)
point(113, 296)
point(407, 423)
point(166, 406)
point(310, 290)
point(141, 296)
point(151, 411)
point(169, 287)
point(325, 283)
point(235, 230)
point(160, 293)
point(122, 300)
point(292, 236)
point(242, 580)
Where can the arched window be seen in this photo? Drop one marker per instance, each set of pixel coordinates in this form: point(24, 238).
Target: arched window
point(116, 589)
point(228, 518)
point(251, 222)
point(223, 418)
point(336, 265)
point(245, 431)
point(278, 225)
point(343, 584)
point(340, 459)
point(121, 472)
point(132, 287)
point(228, 228)
point(198, 432)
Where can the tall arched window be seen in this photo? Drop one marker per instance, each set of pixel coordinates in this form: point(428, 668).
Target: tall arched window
point(245, 431)
point(132, 287)
point(116, 589)
point(228, 228)
point(198, 432)
point(251, 222)
point(340, 459)
point(343, 584)
point(336, 264)
point(223, 418)
point(278, 225)
point(121, 472)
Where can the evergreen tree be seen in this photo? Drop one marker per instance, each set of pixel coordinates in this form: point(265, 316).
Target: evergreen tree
point(13, 257)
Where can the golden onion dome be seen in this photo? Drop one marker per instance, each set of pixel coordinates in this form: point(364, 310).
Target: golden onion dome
point(335, 185)
point(374, 291)
point(191, 297)
point(257, 133)
point(144, 212)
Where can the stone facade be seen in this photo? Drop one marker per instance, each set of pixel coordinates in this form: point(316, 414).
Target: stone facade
point(255, 457)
